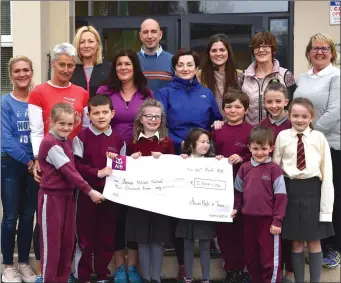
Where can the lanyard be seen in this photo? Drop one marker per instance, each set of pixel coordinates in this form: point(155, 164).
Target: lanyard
point(87, 81)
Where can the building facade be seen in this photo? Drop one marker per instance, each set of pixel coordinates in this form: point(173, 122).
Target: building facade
point(33, 28)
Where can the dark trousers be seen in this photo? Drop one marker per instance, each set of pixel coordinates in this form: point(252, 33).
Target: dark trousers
point(179, 244)
point(231, 244)
point(262, 250)
point(335, 241)
point(56, 215)
point(19, 199)
point(120, 234)
point(286, 255)
point(95, 227)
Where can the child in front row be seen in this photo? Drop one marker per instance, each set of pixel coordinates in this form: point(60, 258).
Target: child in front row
point(150, 230)
point(95, 224)
point(56, 204)
point(260, 195)
point(304, 156)
point(231, 142)
point(275, 101)
point(196, 145)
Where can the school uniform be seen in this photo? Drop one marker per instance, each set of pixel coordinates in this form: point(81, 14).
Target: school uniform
point(260, 195)
point(277, 126)
point(95, 223)
point(56, 206)
point(228, 141)
point(144, 226)
point(195, 229)
point(310, 189)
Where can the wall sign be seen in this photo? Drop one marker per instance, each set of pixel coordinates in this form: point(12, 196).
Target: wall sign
point(334, 12)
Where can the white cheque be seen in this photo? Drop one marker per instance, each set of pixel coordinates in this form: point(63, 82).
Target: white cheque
point(192, 188)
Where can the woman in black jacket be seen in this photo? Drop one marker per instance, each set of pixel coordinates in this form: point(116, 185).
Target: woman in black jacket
point(90, 71)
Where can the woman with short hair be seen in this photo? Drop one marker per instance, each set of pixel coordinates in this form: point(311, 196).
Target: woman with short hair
point(264, 69)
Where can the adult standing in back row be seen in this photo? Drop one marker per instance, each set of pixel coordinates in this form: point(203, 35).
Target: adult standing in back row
point(155, 62)
point(91, 70)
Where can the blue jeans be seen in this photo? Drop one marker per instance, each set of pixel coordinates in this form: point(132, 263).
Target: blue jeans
point(19, 195)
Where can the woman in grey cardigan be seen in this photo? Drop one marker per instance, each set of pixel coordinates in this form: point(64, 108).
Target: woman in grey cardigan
point(321, 85)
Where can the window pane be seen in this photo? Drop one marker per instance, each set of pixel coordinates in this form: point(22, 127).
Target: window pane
point(219, 7)
point(81, 8)
point(239, 37)
point(279, 27)
point(5, 7)
point(116, 39)
point(6, 54)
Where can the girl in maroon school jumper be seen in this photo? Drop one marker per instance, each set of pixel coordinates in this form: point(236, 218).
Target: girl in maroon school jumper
point(260, 195)
point(150, 230)
point(95, 237)
point(304, 155)
point(56, 204)
point(231, 142)
point(275, 101)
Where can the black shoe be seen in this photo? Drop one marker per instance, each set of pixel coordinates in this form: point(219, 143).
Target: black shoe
point(244, 277)
point(231, 277)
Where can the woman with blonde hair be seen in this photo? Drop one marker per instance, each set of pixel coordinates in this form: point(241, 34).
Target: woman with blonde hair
point(90, 70)
point(321, 85)
point(19, 191)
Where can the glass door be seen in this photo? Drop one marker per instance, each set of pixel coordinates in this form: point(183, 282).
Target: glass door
point(196, 29)
point(123, 32)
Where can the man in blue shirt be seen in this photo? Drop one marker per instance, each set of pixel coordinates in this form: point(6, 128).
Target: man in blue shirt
point(155, 62)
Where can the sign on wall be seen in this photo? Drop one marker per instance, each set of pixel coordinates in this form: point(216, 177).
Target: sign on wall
point(334, 12)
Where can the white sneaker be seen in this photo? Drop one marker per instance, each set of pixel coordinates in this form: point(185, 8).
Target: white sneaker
point(26, 273)
point(11, 274)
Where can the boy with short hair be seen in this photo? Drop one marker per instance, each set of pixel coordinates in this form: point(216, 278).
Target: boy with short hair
point(96, 225)
point(231, 142)
point(56, 204)
point(260, 195)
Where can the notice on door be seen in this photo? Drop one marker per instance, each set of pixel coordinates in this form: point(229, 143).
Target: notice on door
point(335, 12)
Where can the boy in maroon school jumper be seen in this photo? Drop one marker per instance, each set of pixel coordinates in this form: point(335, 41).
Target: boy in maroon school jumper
point(56, 205)
point(275, 101)
point(260, 195)
point(95, 224)
point(231, 142)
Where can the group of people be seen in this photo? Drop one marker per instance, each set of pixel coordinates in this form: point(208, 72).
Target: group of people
point(282, 137)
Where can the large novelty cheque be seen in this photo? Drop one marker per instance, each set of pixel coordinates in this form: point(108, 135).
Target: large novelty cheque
point(192, 188)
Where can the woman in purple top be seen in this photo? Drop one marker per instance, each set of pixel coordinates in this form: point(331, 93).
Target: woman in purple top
point(127, 88)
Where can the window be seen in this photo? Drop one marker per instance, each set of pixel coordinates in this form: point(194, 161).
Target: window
point(280, 28)
point(6, 45)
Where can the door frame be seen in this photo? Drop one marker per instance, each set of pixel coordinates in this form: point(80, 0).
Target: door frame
point(229, 19)
point(134, 22)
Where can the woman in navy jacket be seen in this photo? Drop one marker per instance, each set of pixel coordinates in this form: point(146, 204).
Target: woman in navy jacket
point(187, 103)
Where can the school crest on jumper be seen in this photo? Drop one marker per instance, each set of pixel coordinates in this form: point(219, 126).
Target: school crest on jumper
point(119, 163)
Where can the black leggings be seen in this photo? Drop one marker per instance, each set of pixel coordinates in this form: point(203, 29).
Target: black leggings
point(36, 237)
point(120, 239)
point(334, 241)
point(179, 244)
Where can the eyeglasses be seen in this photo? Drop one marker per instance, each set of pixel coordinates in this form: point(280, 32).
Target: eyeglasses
point(316, 49)
point(264, 47)
point(151, 117)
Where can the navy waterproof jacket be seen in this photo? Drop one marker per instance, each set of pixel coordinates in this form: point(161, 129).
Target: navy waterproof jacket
point(188, 105)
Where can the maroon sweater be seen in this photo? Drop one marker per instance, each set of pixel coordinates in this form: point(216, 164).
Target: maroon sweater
point(146, 146)
point(276, 127)
point(59, 175)
point(231, 140)
point(260, 190)
point(90, 147)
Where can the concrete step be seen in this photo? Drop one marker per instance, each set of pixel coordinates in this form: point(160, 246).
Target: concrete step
point(170, 269)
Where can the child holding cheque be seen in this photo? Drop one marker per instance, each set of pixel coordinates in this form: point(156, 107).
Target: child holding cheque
point(231, 142)
point(196, 145)
point(56, 204)
point(95, 237)
point(150, 230)
point(261, 196)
